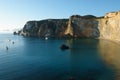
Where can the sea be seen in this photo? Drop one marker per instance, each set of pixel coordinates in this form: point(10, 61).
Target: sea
point(29, 58)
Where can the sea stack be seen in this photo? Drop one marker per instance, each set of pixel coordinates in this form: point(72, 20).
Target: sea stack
point(64, 47)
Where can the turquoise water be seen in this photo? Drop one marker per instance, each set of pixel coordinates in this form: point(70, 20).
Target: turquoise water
point(39, 59)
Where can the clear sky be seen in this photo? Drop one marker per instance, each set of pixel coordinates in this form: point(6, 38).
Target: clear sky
point(15, 13)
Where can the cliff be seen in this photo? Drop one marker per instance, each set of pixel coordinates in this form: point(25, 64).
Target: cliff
point(109, 26)
point(45, 28)
point(89, 26)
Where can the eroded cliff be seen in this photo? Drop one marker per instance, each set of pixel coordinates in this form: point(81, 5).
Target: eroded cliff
point(45, 28)
point(106, 27)
point(109, 26)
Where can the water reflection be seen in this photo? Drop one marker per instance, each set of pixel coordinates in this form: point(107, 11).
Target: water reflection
point(110, 52)
point(36, 59)
point(86, 62)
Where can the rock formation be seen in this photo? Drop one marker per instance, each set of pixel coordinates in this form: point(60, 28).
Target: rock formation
point(64, 47)
point(45, 28)
point(109, 26)
point(83, 26)
point(106, 27)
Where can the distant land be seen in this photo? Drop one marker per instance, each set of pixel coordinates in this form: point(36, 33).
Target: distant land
point(88, 26)
point(6, 30)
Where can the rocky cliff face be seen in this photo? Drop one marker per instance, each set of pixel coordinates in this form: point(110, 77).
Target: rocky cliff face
point(45, 28)
point(83, 26)
point(107, 27)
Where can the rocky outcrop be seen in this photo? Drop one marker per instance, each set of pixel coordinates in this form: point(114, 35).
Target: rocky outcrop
point(83, 26)
point(45, 28)
point(89, 26)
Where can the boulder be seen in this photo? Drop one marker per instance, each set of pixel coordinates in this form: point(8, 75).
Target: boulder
point(64, 47)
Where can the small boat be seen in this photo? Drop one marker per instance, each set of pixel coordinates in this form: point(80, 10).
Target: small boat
point(46, 38)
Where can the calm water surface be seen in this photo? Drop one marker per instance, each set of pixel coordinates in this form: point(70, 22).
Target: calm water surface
point(39, 59)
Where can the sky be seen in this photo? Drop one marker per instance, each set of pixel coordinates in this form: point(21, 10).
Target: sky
point(15, 13)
